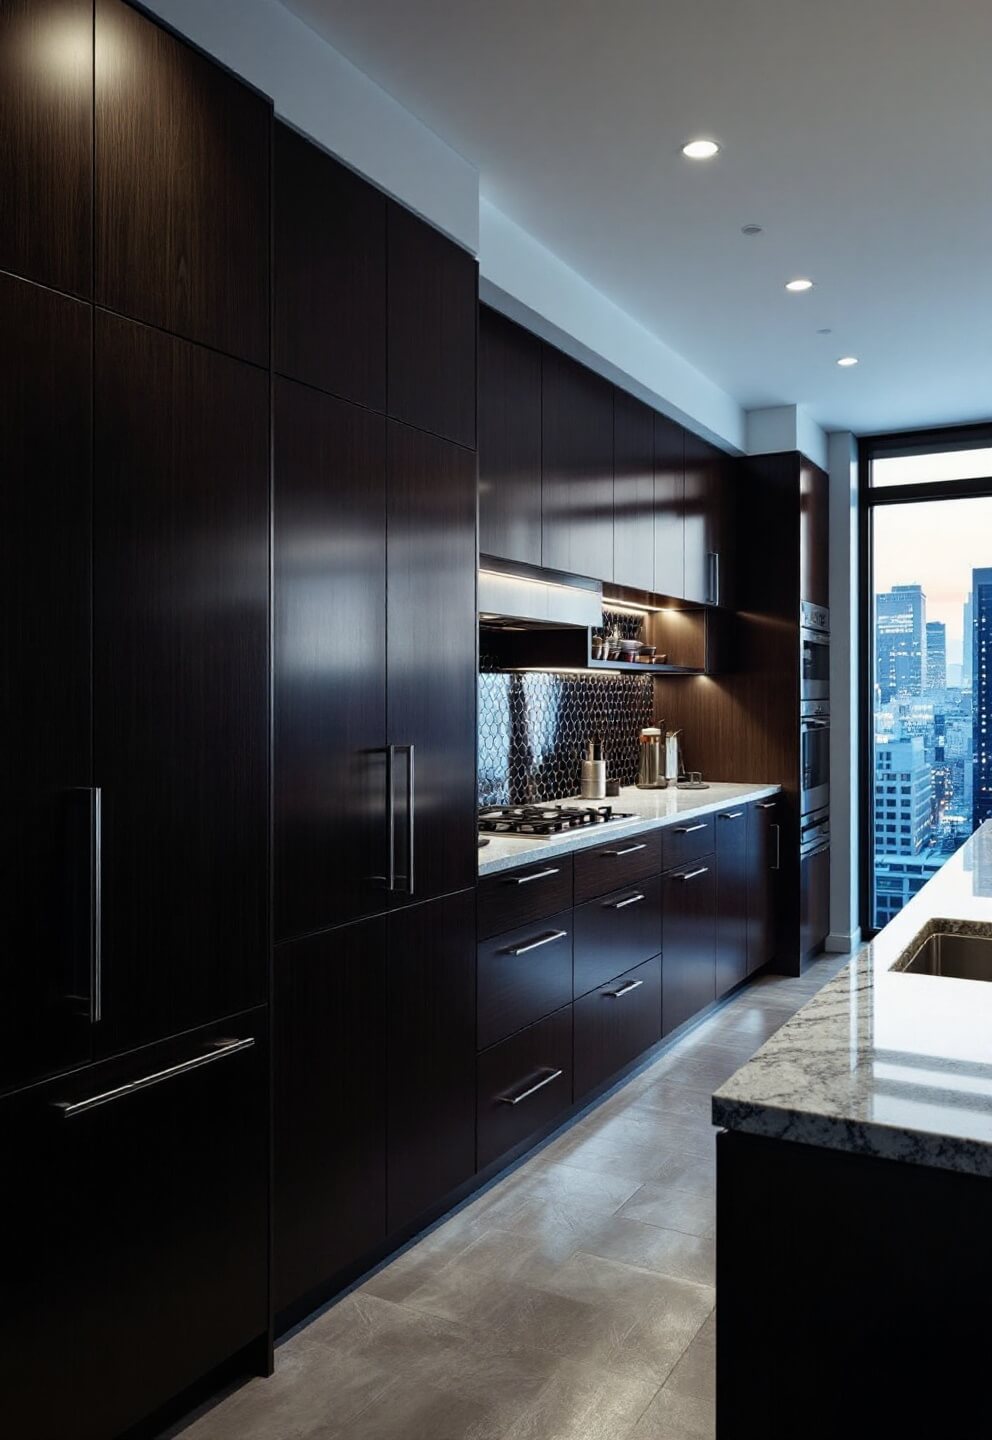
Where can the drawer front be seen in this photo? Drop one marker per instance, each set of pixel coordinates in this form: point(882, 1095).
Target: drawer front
point(615, 1023)
point(524, 1084)
point(689, 942)
point(686, 841)
point(523, 975)
point(516, 897)
point(616, 932)
point(608, 866)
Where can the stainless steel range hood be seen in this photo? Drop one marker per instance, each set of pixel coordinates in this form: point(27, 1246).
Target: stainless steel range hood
point(518, 597)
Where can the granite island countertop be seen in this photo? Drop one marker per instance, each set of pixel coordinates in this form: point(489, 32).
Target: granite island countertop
point(650, 810)
point(883, 1062)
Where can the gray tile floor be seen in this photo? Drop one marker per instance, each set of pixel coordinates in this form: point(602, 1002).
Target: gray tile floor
point(574, 1300)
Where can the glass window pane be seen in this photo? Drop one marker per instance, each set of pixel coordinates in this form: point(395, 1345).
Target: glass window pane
point(974, 464)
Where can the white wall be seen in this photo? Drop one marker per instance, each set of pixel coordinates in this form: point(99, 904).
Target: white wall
point(786, 427)
point(844, 786)
point(316, 89)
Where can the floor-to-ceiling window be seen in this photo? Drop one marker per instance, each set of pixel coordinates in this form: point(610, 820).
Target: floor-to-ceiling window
point(927, 668)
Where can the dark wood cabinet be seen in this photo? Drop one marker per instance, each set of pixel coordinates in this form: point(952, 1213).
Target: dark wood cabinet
point(688, 942)
point(622, 862)
point(330, 802)
point(731, 897)
point(634, 520)
point(615, 1024)
point(509, 439)
point(430, 656)
point(814, 531)
point(616, 932)
point(181, 658)
point(46, 141)
point(134, 1240)
point(432, 327)
point(329, 1029)
point(329, 273)
point(669, 508)
point(525, 1085)
point(763, 846)
point(181, 225)
point(431, 1050)
point(689, 840)
point(709, 523)
point(521, 896)
point(577, 489)
point(45, 539)
point(814, 902)
point(523, 975)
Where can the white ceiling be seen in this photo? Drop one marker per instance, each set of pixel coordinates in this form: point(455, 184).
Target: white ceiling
point(858, 133)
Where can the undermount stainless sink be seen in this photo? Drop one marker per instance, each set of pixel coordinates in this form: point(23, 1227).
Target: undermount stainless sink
point(960, 957)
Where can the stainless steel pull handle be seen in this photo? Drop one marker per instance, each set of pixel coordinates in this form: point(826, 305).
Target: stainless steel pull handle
point(628, 850)
point(622, 904)
point(538, 875)
point(390, 818)
point(96, 905)
point(716, 577)
point(691, 874)
point(767, 804)
point(531, 1089)
point(688, 829)
point(777, 864)
point(220, 1051)
point(731, 814)
point(398, 883)
point(411, 804)
point(624, 990)
point(536, 944)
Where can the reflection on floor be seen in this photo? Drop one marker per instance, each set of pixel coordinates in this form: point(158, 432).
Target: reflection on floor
point(572, 1301)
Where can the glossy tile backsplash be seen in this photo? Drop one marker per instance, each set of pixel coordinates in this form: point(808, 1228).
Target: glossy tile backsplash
point(533, 729)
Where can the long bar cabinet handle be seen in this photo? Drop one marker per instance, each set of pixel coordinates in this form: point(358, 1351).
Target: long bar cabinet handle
point(622, 904)
point(536, 944)
point(628, 850)
point(777, 865)
point(767, 804)
point(220, 1051)
point(731, 814)
point(689, 829)
point(531, 1089)
point(539, 875)
point(390, 818)
point(691, 874)
point(411, 811)
point(96, 905)
point(624, 990)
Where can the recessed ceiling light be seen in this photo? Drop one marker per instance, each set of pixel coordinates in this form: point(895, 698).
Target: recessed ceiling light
point(847, 361)
point(700, 149)
point(750, 229)
point(798, 285)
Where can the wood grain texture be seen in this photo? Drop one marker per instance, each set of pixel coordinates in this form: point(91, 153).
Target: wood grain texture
point(669, 507)
point(634, 522)
point(45, 537)
point(329, 602)
point(504, 904)
point(763, 860)
point(516, 990)
point(509, 439)
point(612, 935)
point(432, 328)
point(46, 141)
point(814, 533)
point(181, 656)
point(611, 1029)
point(329, 229)
point(688, 954)
point(577, 430)
point(733, 868)
point(507, 1069)
point(182, 188)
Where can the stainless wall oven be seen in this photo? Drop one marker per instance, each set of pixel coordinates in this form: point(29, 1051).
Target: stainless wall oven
point(815, 756)
point(814, 651)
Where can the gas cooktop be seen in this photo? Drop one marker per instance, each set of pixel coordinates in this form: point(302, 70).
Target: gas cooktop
point(546, 819)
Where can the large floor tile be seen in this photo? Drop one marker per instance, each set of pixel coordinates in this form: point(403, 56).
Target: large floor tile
point(581, 1402)
point(671, 1208)
point(671, 1416)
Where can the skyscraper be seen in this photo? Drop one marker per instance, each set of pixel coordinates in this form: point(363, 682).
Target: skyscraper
point(981, 683)
point(968, 642)
point(936, 655)
point(900, 641)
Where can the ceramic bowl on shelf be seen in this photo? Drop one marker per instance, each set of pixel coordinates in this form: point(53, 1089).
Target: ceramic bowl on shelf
point(630, 647)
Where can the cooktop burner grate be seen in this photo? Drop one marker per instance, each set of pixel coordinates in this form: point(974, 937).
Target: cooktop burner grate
point(545, 819)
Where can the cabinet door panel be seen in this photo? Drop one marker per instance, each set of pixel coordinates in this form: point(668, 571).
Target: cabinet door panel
point(633, 492)
point(523, 975)
point(181, 588)
point(134, 1233)
point(182, 188)
point(330, 685)
point(615, 1024)
point(702, 488)
point(45, 538)
point(814, 903)
point(763, 845)
point(430, 650)
point(525, 1083)
point(814, 524)
point(688, 951)
point(431, 1047)
point(616, 932)
point(46, 141)
point(329, 321)
point(329, 1028)
point(577, 488)
point(509, 440)
point(432, 327)
point(731, 899)
point(669, 508)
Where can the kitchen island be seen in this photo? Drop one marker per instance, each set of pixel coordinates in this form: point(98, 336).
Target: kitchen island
point(854, 1194)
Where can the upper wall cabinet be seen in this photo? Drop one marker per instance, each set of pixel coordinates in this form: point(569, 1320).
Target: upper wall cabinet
point(708, 523)
point(432, 325)
point(633, 492)
point(577, 523)
point(182, 188)
point(814, 521)
point(46, 139)
point(669, 508)
point(509, 439)
point(329, 327)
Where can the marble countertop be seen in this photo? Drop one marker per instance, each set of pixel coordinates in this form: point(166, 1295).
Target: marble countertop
point(650, 809)
point(884, 1062)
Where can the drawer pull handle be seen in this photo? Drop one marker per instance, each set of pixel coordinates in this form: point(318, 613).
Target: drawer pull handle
point(691, 874)
point(624, 990)
point(531, 1089)
point(767, 804)
point(221, 1049)
point(629, 850)
point(536, 944)
point(621, 904)
point(538, 875)
point(731, 814)
point(689, 829)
